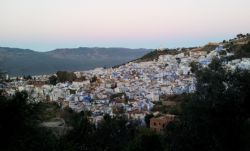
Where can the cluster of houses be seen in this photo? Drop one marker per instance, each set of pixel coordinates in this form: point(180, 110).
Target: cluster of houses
point(131, 89)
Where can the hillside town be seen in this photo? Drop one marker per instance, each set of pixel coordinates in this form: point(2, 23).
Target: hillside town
point(131, 89)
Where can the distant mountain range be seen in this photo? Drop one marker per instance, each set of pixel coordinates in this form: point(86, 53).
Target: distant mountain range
point(17, 61)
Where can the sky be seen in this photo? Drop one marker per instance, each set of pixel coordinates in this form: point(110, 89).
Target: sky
point(44, 25)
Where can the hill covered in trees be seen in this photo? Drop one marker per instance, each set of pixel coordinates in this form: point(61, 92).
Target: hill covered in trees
point(16, 61)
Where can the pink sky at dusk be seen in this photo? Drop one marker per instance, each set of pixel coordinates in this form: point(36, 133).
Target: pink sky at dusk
point(49, 24)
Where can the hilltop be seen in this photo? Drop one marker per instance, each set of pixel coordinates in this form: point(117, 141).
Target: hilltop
point(239, 46)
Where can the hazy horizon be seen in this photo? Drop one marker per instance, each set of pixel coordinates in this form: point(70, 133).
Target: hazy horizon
point(173, 45)
point(50, 24)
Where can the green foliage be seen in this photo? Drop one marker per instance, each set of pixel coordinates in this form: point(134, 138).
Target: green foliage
point(111, 134)
point(81, 137)
point(53, 80)
point(19, 127)
point(246, 47)
point(171, 104)
point(215, 66)
point(244, 51)
point(216, 118)
point(117, 95)
point(160, 108)
point(46, 110)
point(195, 66)
point(27, 77)
point(147, 119)
point(240, 35)
point(146, 140)
point(209, 47)
point(175, 97)
point(93, 79)
point(70, 117)
point(240, 51)
point(175, 110)
point(156, 53)
point(1, 75)
point(223, 52)
point(64, 76)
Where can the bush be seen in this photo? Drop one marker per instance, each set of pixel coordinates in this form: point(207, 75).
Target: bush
point(64, 76)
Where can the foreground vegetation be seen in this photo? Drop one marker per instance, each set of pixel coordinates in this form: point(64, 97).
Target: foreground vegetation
point(215, 118)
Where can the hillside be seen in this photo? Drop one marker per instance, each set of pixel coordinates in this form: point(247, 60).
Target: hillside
point(239, 46)
point(24, 61)
point(153, 55)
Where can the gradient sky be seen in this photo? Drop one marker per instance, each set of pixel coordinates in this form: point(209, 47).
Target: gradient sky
point(44, 25)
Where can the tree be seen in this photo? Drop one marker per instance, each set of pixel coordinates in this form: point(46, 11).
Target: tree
point(64, 76)
point(240, 36)
point(217, 115)
point(195, 66)
point(81, 135)
point(146, 140)
point(53, 80)
point(29, 77)
point(111, 134)
point(147, 119)
point(2, 74)
point(19, 127)
point(93, 79)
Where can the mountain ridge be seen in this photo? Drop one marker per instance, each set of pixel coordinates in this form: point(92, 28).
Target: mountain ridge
point(16, 61)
